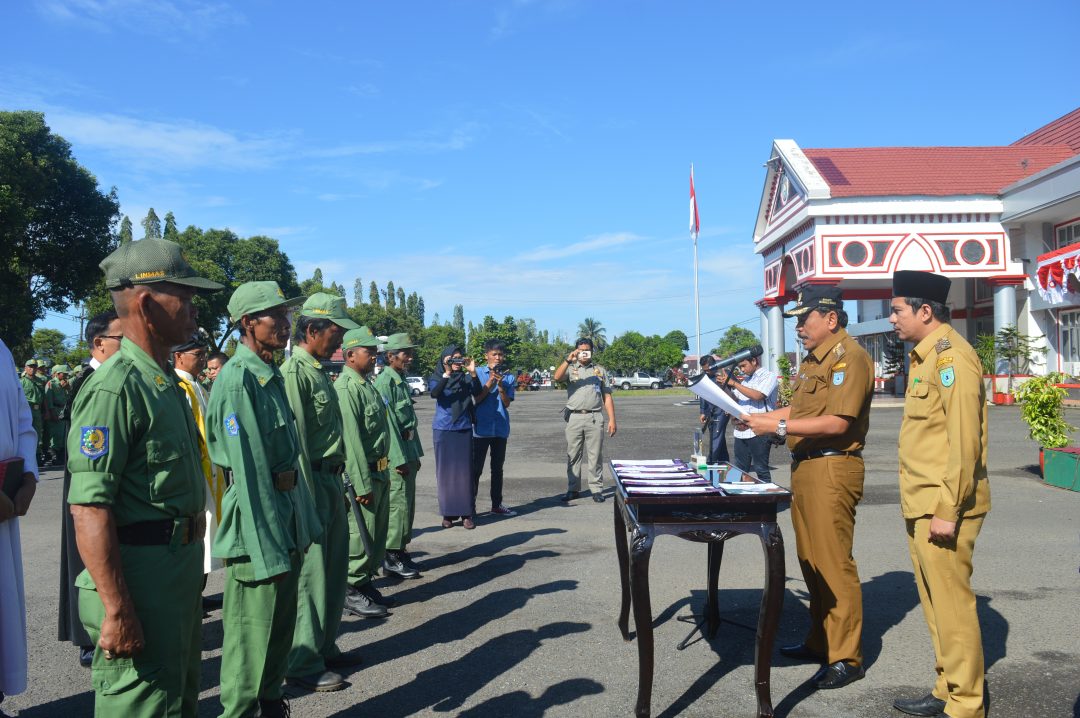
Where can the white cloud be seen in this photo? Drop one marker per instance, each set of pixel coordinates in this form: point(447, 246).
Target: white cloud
point(458, 139)
point(591, 244)
point(164, 17)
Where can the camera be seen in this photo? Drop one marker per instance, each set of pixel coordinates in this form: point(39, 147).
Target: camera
point(456, 361)
point(502, 369)
point(584, 354)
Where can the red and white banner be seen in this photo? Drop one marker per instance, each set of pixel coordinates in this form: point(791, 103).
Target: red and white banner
point(695, 223)
point(1052, 275)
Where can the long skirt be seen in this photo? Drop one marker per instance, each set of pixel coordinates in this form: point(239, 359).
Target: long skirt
point(70, 627)
point(453, 472)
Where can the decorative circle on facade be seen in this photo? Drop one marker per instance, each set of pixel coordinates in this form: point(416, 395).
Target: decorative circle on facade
point(972, 251)
point(855, 253)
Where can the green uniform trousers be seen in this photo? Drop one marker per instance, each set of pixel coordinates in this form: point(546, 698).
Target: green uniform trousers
point(363, 568)
point(258, 619)
point(39, 429)
point(402, 508)
point(943, 575)
point(163, 680)
point(57, 433)
point(320, 593)
point(825, 492)
point(584, 451)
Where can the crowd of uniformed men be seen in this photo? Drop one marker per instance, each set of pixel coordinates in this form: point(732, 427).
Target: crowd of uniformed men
point(305, 488)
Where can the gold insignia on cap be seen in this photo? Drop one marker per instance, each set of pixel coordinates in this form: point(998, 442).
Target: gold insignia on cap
point(149, 275)
point(280, 293)
point(942, 345)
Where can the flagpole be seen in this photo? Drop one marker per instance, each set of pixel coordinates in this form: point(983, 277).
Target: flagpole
point(695, 225)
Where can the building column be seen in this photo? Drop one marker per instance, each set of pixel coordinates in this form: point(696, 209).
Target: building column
point(1004, 306)
point(763, 332)
point(776, 332)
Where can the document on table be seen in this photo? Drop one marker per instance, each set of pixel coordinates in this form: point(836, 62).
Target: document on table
point(711, 392)
point(739, 487)
point(704, 489)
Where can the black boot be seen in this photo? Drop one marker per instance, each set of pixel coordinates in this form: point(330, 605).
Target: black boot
point(278, 708)
point(394, 565)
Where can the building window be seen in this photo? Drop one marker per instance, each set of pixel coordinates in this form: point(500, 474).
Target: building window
point(983, 291)
point(1069, 323)
point(1068, 233)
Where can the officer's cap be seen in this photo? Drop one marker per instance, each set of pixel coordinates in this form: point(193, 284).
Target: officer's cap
point(61, 369)
point(822, 298)
point(31, 362)
point(397, 342)
point(255, 297)
point(149, 261)
point(921, 285)
point(328, 306)
point(359, 337)
point(196, 342)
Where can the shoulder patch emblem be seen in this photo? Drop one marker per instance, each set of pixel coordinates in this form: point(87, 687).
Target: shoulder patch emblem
point(263, 380)
point(943, 344)
point(232, 426)
point(839, 365)
point(944, 361)
point(839, 350)
point(94, 441)
point(160, 381)
point(837, 378)
point(948, 376)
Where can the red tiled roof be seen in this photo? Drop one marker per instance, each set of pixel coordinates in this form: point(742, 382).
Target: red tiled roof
point(931, 171)
point(1064, 130)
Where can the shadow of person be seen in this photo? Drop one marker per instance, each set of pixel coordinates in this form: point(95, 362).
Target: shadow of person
point(445, 688)
point(497, 545)
point(521, 705)
point(887, 599)
point(995, 631)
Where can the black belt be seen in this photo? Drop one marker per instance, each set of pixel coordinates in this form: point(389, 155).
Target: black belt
point(283, 480)
point(328, 467)
point(821, 453)
point(160, 533)
point(584, 411)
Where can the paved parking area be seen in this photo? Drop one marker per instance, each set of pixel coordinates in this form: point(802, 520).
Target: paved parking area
point(517, 618)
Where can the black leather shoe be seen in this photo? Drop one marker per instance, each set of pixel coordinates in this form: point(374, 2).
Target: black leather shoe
point(394, 566)
point(360, 605)
point(324, 682)
point(86, 656)
point(278, 708)
point(800, 652)
point(928, 705)
point(407, 560)
point(598, 498)
point(838, 675)
point(345, 660)
point(570, 496)
point(373, 593)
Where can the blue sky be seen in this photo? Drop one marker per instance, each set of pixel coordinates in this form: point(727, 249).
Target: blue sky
point(521, 157)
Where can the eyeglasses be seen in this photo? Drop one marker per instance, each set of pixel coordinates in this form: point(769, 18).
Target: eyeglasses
point(117, 337)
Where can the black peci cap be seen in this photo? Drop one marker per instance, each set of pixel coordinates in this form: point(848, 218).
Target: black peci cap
point(921, 285)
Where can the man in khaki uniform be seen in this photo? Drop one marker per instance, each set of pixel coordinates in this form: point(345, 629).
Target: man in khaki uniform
point(587, 394)
point(826, 426)
point(944, 491)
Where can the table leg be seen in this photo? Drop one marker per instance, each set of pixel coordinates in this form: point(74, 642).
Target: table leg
point(712, 600)
point(624, 570)
point(641, 549)
point(771, 601)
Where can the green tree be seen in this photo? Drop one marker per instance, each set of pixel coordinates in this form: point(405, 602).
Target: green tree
point(678, 338)
point(373, 295)
point(401, 300)
point(489, 329)
point(49, 344)
point(391, 296)
point(313, 284)
point(434, 339)
point(125, 230)
point(592, 329)
point(459, 317)
point(634, 351)
point(435, 320)
point(171, 233)
point(337, 289)
point(54, 223)
point(151, 225)
point(420, 310)
point(734, 339)
point(357, 292)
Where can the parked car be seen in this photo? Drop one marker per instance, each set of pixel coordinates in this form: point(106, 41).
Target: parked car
point(417, 385)
point(639, 380)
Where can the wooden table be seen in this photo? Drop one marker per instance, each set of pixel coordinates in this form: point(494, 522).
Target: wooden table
point(710, 519)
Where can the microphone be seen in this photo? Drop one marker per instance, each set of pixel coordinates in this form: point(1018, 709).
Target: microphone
point(742, 355)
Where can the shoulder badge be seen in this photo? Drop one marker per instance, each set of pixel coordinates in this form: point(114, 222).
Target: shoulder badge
point(839, 365)
point(160, 381)
point(837, 378)
point(839, 350)
point(948, 376)
point(942, 345)
point(944, 361)
point(94, 441)
point(263, 380)
point(232, 426)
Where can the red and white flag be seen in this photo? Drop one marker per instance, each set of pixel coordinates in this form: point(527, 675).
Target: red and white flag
point(695, 222)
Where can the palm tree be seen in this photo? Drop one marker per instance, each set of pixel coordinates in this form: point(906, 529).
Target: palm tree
point(594, 330)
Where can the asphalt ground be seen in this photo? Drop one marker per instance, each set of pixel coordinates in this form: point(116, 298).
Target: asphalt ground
point(517, 618)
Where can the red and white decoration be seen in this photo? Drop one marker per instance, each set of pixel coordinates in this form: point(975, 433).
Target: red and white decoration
point(1052, 275)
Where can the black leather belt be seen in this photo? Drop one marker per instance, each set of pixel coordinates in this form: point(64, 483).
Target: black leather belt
point(328, 467)
point(821, 453)
point(160, 533)
point(584, 411)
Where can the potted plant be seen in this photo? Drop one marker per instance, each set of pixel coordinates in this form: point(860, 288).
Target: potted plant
point(1043, 409)
point(1015, 350)
point(986, 349)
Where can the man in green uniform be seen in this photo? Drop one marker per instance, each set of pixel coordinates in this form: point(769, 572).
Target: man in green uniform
point(137, 494)
point(56, 397)
point(321, 590)
point(35, 397)
point(826, 427)
point(268, 516)
point(587, 393)
point(944, 491)
point(367, 445)
point(405, 453)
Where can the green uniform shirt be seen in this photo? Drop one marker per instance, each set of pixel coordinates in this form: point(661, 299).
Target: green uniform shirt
point(366, 431)
point(395, 392)
point(251, 431)
point(35, 395)
point(135, 446)
point(56, 398)
point(315, 404)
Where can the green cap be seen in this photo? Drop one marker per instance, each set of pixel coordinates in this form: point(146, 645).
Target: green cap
point(321, 305)
point(152, 260)
point(31, 362)
point(255, 297)
point(360, 337)
point(61, 369)
point(397, 342)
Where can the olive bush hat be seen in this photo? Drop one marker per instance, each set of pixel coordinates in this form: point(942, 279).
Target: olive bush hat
point(152, 260)
point(360, 337)
point(397, 342)
point(321, 305)
point(61, 369)
point(255, 297)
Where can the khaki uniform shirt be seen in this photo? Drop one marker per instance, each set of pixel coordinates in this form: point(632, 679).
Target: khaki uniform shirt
point(586, 386)
point(395, 392)
point(835, 379)
point(943, 437)
point(367, 431)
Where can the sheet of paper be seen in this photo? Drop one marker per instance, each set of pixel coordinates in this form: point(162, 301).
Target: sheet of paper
point(647, 462)
point(673, 490)
point(652, 475)
point(664, 482)
point(711, 392)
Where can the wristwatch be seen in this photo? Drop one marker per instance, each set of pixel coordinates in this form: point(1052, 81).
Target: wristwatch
point(781, 428)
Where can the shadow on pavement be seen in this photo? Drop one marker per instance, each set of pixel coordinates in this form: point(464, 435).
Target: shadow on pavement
point(521, 705)
point(497, 545)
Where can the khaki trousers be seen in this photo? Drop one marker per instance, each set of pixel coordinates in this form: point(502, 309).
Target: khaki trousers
point(943, 576)
point(584, 451)
point(825, 493)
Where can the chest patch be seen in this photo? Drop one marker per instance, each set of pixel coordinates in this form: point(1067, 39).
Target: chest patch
point(948, 376)
point(232, 426)
point(94, 441)
point(160, 381)
point(837, 378)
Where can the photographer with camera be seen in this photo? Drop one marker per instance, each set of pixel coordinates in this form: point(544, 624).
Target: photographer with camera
point(756, 393)
point(492, 427)
point(588, 391)
point(453, 385)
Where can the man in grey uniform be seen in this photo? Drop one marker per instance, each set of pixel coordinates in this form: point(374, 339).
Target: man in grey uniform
point(587, 394)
